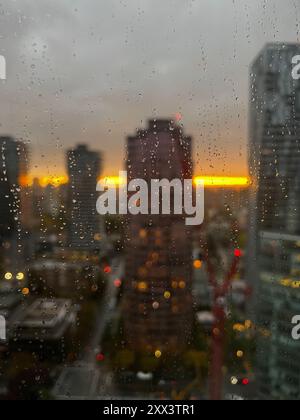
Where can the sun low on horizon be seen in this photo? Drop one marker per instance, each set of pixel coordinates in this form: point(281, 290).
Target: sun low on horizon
point(112, 180)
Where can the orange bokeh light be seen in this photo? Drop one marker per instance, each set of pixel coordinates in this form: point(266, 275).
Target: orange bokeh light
point(197, 264)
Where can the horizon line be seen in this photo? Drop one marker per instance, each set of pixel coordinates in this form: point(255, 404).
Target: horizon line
point(209, 181)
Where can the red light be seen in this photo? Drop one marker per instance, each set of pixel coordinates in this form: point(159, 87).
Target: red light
point(245, 381)
point(178, 116)
point(117, 283)
point(238, 253)
point(100, 357)
point(107, 270)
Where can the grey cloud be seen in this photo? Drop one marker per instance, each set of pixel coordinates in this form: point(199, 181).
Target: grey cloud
point(93, 70)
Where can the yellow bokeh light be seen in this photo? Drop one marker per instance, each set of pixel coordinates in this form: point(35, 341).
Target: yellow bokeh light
point(8, 276)
point(167, 295)
point(20, 276)
point(240, 354)
point(158, 354)
point(239, 327)
point(294, 284)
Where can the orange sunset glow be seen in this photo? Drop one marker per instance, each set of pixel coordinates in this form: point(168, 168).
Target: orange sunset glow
point(44, 181)
point(222, 181)
point(209, 181)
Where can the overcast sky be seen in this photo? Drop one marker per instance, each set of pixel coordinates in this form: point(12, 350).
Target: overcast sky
point(94, 70)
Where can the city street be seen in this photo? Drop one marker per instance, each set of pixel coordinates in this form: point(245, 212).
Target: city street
point(85, 379)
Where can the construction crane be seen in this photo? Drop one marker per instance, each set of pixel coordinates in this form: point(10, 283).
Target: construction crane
point(220, 292)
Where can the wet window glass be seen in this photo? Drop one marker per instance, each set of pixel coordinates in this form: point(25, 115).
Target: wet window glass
point(150, 202)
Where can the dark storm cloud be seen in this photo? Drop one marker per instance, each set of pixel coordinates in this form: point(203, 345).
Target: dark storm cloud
point(93, 70)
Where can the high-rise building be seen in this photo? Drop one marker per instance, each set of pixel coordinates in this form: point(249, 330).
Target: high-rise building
point(157, 302)
point(84, 167)
point(13, 170)
point(274, 246)
point(13, 208)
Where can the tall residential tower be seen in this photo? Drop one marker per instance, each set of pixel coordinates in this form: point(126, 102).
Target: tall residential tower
point(274, 248)
point(84, 168)
point(158, 274)
point(15, 206)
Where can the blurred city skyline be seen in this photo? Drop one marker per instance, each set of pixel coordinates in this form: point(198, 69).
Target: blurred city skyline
point(106, 292)
point(81, 73)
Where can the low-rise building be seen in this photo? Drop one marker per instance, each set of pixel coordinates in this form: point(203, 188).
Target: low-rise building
point(45, 326)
